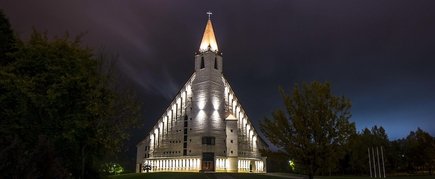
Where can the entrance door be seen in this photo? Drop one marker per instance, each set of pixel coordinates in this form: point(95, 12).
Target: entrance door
point(207, 161)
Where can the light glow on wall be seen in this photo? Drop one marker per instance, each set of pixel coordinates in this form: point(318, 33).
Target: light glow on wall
point(202, 115)
point(176, 164)
point(216, 103)
point(156, 137)
point(221, 164)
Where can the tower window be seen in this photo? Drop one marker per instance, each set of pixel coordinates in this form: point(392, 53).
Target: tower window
point(202, 62)
point(208, 140)
point(215, 63)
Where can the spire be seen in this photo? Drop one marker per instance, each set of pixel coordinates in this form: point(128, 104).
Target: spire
point(208, 39)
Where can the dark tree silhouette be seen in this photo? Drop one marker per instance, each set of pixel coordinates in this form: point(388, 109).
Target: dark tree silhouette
point(60, 114)
point(314, 127)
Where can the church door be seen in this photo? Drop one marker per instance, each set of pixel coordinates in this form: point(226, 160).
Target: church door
point(207, 161)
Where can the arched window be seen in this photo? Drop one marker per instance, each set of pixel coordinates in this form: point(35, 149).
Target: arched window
point(202, 62)
point(215, 63)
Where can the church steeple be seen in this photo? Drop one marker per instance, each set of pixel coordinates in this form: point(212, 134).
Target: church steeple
point(208, 39)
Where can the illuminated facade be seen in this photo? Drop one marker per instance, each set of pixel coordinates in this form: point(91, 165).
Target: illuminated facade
point(204, 128)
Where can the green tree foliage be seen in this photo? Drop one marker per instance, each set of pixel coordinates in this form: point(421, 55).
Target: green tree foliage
point(359, 145)
point(314, 129)
point(277, 161)
point(7, 39)
point(112, 168)
point(61, 116)
point(420, 151)
point(396, 156)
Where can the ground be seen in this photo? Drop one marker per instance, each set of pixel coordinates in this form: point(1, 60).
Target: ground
point(241, 176)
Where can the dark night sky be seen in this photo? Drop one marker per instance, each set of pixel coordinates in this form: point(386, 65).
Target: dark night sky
point(380, 54)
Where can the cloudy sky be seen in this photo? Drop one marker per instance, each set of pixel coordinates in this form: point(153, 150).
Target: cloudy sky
point(380, 54)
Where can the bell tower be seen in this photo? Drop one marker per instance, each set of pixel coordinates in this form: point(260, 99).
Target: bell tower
point(208, 57)
point(208, 113)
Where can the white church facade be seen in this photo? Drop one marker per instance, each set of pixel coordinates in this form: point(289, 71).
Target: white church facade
point(204, 128)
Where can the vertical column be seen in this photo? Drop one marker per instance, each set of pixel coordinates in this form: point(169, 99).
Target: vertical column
point(370, 164)
point(182, 112)
point(167, 124)
point(383, 162)
point(163, 128)
point(161, 132)
point(156, 138)
point(173, 116)
point(374, 162)
point(379, 164)
point(177, 112)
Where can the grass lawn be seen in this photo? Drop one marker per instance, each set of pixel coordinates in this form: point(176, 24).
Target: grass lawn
point(388, 177)
point(160, 176)
point(171, 175)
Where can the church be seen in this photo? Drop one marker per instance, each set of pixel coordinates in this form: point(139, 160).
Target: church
point(204, 128)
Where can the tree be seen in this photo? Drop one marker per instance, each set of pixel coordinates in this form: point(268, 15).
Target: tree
point(54, 96)
point(7, 39)
point(358, 145)
point(420, 151)
point(315, 128)
point(396, 156)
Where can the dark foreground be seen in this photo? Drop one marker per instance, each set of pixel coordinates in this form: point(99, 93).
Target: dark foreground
point(241, 176)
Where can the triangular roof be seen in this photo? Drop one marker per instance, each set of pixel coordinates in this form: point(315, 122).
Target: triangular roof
point(208, 39)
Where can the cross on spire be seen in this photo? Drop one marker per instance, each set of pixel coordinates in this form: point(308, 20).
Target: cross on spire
point(209, 13)
point(208, 42)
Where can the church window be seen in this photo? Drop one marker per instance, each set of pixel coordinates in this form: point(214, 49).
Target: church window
point(231, 130)
point(202, 62)
point(208, 140)
point(231, 151)
point(231, 141)
point(215, 63)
